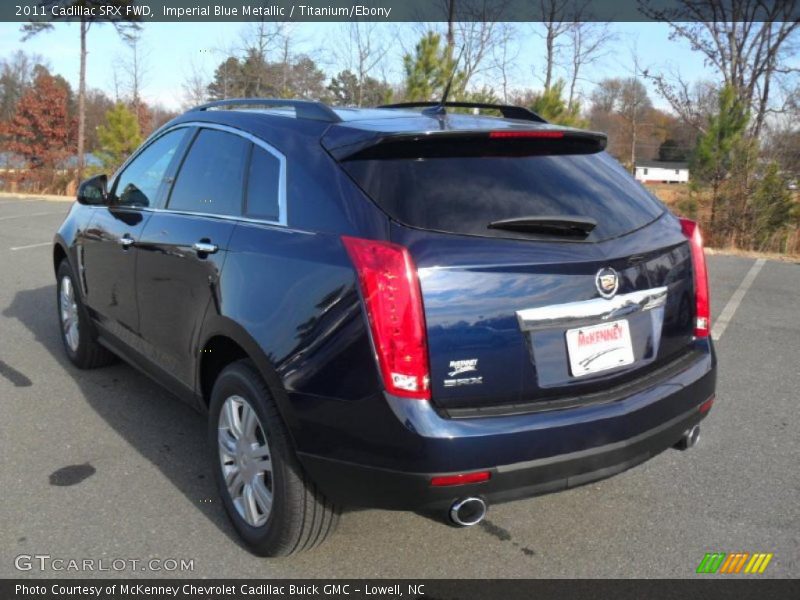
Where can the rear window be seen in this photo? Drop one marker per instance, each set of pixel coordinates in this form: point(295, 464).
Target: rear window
point(463, 195)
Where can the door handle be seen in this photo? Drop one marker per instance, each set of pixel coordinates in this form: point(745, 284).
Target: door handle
point(126, 241)
point(204, 247)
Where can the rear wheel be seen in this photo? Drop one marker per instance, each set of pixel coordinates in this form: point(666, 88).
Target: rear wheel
point(77, 332)
point(273, 505)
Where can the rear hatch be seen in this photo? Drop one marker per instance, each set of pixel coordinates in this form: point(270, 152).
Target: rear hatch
point(549, 277)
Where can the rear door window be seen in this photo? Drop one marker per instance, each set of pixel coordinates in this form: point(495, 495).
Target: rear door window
point(463, 195)
point(211, 179)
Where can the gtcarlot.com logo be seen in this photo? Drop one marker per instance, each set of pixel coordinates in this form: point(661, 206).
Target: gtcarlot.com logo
point(734, 563)
point(46, 562)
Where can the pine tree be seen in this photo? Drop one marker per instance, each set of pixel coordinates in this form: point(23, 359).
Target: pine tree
point(428, 70)
point(715, 151)
point(772, 206)
point(550, 104)
point(119, 137)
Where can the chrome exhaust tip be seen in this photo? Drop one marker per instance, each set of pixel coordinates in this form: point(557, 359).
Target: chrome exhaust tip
point(467, 512)
point(689, 438)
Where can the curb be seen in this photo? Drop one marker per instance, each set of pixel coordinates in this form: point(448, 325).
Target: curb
point(32, 197)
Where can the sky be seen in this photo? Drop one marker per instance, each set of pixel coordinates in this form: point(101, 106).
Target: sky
point(174, 50)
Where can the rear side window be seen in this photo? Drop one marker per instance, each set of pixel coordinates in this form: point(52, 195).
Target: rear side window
point(463, 195)
point(263, 185)
point(211, 178)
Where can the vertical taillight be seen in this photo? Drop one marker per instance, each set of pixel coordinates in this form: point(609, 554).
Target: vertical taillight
point(390, 287)
point(702, 325)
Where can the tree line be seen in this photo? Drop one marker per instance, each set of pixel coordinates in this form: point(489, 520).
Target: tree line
point(738, 130)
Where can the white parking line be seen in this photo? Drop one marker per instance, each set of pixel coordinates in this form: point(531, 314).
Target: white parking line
point(730, 308)
point(41, 214)
point(15, 248)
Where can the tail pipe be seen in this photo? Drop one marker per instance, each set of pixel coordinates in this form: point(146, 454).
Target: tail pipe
point(689, 438)
point(467, 512)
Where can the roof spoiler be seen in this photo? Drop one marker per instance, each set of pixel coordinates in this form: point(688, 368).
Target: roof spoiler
point(508, 111)
point(453, 144)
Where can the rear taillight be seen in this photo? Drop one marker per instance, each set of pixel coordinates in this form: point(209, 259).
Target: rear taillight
point(393, 302)
point(702, 325)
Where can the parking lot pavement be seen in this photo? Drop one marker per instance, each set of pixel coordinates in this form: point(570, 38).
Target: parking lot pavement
point(103, 464)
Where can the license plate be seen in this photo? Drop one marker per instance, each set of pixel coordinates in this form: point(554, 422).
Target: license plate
point(599, 348)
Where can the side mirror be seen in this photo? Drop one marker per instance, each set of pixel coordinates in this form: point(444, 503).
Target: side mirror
point(93, 191)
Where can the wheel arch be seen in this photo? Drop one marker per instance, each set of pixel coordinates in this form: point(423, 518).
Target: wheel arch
point(223, 342)
point(59, 253)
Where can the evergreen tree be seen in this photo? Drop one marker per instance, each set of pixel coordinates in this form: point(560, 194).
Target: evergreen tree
point(550, 104)
point(345, 92)
point(228, 80)
point(715, 151)
point(428, 70)
point(119, 137)
point(772, 206)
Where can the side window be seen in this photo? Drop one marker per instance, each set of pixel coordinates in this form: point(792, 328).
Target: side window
point(211, 178)
point(263, 185)
point(139, 184)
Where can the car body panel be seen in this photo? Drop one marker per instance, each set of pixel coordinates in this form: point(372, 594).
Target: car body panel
point(289, 297)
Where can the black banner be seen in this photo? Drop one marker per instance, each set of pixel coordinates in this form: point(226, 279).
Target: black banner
point(392, 10)
point(379, 589)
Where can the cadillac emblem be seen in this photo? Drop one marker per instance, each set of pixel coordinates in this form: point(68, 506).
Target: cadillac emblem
point(607, 282)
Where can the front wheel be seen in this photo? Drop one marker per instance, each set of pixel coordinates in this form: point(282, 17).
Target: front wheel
point(76, 328)
point(273, 505)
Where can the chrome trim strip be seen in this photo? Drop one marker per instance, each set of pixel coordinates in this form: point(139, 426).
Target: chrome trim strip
point(282, 204)
point(571, 313)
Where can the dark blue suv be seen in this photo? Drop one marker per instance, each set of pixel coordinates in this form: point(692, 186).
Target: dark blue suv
point(414, 307)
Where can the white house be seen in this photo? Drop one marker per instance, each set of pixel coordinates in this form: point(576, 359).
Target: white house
point(656, 171)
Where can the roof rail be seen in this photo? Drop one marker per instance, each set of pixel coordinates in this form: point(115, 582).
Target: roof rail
point(304, 109)
point(508, 111)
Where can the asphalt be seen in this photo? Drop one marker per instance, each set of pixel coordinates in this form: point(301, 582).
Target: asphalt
point(105, 465)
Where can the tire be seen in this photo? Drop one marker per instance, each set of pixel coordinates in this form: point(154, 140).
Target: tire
point(83, 349)
point(299, 517)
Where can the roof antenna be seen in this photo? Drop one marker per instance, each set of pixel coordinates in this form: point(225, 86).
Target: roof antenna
point(438, 110)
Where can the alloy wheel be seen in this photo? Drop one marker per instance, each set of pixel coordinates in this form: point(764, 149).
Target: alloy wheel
point(246, 460)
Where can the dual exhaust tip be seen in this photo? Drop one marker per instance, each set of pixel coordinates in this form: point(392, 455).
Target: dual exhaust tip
point(467, 512)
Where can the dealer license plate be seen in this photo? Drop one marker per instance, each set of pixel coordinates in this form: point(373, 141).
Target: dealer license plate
point(599, 348)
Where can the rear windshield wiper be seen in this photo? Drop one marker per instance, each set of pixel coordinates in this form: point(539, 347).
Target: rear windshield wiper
point(558, 225)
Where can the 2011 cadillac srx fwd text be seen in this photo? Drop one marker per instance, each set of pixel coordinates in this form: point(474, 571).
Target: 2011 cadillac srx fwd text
point(409, 307)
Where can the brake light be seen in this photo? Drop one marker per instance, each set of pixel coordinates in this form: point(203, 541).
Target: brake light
point(460, 479)
point(390, 287)
point(702, 325)
point(526, 134)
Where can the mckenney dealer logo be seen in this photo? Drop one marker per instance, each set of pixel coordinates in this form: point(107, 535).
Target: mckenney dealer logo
point(734, 563)
point(462, 366)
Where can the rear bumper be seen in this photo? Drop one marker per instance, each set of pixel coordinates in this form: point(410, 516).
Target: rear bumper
point(527, 455)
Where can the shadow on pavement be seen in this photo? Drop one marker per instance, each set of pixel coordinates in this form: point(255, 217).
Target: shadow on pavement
point(168, 433)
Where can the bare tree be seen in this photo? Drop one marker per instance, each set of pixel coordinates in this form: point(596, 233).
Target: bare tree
point(363, 49)
point(261, 40)
point(504, 54)
point(16, 74)
point(588, 44)
point(135, 67)
point(195, 86)
point(747, 41)
point(553, 26)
